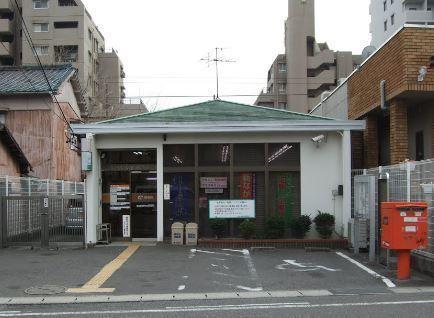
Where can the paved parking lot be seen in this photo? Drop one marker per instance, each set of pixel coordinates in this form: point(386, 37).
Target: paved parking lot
point(164, 269)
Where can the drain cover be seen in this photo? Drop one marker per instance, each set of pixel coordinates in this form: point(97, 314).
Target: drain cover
point(45, 290)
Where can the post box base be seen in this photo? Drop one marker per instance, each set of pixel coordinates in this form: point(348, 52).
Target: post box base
point(404, 272)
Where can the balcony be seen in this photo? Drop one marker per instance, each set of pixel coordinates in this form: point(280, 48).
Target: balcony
point(322, 57)
point(5, 7)
point(419, 16)
point(6, 27)
point(327, 77)
point(5, 49)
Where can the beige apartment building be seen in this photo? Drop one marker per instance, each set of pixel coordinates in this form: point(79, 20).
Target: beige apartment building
point(63, 32)
point(298, 78)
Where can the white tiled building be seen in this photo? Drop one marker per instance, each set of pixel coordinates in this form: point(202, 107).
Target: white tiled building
point(387, 16)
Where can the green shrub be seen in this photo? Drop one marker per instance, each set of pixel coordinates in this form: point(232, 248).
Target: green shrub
point(247, 229)
point(275, 227)
point(324, 224)
point(218, 227)
point(300, 226)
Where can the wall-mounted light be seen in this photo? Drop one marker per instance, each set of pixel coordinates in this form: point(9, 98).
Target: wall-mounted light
point(165, 137)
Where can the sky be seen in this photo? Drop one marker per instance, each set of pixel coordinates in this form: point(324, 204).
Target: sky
point(161, 43)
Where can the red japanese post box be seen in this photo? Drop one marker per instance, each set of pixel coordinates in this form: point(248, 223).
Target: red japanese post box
point(404, 227)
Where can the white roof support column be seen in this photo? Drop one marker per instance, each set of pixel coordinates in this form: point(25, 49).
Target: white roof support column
point(93, 191)
point(346, 179)
point(160, 201)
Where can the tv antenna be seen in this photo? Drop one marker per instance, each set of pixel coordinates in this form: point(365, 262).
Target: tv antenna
point(217, 59)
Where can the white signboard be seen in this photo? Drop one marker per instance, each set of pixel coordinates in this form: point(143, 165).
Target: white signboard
point(232, 209)
point(214, 191)
point(214, 182)
point(167, 192)
point(126, 225)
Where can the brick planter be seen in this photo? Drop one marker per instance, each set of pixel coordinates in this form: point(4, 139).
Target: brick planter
point(283, 243)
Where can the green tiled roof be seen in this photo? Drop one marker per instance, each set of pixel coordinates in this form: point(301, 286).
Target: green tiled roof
point(30, 79)
point(216, 111)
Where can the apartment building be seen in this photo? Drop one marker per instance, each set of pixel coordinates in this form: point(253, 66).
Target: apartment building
point(63, 32)
point(298, 78)
point(388, 16)
point(394, 96)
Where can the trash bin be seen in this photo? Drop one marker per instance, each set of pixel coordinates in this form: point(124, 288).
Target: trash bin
point(177, 233)
point(191, 234)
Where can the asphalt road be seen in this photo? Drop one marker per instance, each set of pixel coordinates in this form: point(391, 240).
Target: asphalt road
point(408, 305)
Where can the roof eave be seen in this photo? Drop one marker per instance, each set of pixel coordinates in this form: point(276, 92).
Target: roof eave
point(274, 126)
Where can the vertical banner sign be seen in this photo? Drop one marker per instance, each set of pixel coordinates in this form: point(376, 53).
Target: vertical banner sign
point(181, 198)
point(284, 197)
point(247, 186)
point(126, 225)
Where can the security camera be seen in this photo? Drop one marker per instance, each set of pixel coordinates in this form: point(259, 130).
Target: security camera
point(319, 139)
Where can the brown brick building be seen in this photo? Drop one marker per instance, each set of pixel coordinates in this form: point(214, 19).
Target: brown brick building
point(404, 128)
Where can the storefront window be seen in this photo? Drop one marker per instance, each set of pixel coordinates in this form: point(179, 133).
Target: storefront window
point(179, 155)
point(285, 154)
point(214, 155)
point(212, 186)
point(249, 155)
point(284, 194)
point(179, 207)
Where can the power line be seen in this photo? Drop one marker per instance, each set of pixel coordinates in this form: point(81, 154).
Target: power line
point(195, 96)
point(32, 46)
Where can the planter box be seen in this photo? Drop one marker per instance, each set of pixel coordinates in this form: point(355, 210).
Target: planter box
point(281, 243)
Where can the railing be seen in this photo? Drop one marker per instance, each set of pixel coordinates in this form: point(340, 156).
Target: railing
point(18, 186)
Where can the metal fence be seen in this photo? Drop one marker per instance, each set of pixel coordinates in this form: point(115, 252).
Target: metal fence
point(41, 212)
point(406, 182)
point(43, 221)
point(34, 187)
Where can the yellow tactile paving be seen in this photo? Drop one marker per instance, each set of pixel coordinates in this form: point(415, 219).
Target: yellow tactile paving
point(93, 285)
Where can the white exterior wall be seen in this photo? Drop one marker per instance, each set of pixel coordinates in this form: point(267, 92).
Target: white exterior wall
point(335, 106)
point(317, 180)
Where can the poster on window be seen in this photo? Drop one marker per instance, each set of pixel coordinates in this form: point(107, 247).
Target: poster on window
point(119, 197)
point(126, 225)
point(181, 198)
point(232, 209)
point(284, 197)
point(214, 182)
point(247, 185)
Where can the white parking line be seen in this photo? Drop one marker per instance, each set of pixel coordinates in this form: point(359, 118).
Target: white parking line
point(181, 287)
point(385, 280)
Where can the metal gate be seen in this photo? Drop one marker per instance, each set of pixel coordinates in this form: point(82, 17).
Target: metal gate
point(42, 221)
point(365, 223)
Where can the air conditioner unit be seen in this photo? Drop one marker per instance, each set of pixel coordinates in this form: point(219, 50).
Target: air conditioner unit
point(363, 232)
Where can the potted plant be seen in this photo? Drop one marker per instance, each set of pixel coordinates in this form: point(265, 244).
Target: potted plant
point(300, 226)
point(218, 227)
point(275, 227)
point(247, 229)
point(324, 224)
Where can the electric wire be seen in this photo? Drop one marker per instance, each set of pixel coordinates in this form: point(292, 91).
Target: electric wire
point(32, 46)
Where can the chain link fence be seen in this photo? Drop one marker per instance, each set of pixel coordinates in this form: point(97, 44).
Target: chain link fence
point(405, 182)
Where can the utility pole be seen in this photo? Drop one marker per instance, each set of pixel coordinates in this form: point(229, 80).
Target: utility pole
point(217, 59)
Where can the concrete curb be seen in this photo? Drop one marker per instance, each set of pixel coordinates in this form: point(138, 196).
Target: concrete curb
point(87, 299)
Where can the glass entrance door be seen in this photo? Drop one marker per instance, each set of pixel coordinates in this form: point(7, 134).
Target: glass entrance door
point(143, 204)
